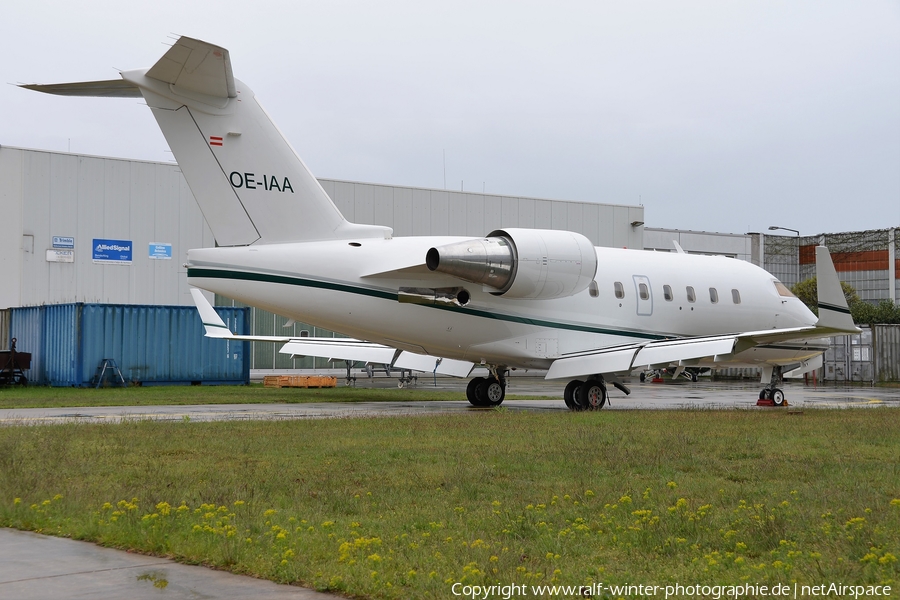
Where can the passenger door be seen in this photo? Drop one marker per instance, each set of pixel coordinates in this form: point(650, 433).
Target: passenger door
point(644, 294)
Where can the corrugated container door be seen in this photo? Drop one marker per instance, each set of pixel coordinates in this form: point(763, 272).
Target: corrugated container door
point(887, 352)
point(224, 360)
point(62, 344)
point(162, 344)
point(26, 325)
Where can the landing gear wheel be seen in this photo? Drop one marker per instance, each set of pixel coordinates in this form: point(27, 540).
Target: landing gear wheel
point(471, 395)
point(569, 393)
point(763, 394)
point(643, 377)
point(693, 377)
point(490, 392)
point(777, 397)
point(592, 395)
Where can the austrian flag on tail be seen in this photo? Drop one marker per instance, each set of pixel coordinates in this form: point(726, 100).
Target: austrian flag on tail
point(215, 140)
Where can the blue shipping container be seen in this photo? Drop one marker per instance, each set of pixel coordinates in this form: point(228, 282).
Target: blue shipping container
point(150, 344)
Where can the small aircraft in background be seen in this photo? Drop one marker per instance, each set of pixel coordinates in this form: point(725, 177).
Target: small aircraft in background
point(515, 298)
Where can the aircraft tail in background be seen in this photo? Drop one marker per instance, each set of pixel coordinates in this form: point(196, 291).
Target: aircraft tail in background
point(250, 184)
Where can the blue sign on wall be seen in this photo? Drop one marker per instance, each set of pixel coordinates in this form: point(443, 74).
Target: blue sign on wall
point(116, 252)
point(160, 251)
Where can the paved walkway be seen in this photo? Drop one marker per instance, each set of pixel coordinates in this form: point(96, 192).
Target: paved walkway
point(38, 567)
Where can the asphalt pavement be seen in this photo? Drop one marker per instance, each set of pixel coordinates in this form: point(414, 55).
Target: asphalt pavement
point(645, 396)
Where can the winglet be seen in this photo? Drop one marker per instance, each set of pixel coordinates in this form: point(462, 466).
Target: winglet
point(215, 326)
point(833, 310)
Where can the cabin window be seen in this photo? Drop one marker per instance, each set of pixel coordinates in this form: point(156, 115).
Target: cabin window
point(644, 291)
point(692, 297)
point(594, 289)
point(304, 333)
point(782, 290)
point(667, 293)
point(713, 295)
point(735, 296)
point(620, 290)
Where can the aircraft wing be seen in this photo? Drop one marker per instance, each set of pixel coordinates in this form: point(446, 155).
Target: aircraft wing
point(334, 348)
point(340, 349)
point(834, 319)
point(623, 359)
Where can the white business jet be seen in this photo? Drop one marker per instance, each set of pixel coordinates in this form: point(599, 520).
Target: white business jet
point(515, 298)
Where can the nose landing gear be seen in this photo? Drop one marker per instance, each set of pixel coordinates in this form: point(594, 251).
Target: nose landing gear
point(772, 394)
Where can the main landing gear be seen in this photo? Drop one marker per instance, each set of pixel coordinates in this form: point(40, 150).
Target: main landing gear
point(487, 391)
point(591, 394)
point(578, 395)
point(586, 395)
point(772, 394)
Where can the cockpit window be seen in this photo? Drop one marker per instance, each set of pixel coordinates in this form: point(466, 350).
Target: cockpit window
point(782, 290)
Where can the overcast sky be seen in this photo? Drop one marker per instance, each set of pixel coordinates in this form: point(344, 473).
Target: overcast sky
point(716, 116)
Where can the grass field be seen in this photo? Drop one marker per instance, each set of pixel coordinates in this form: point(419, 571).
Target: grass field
point(47, 397)
point(405, 507)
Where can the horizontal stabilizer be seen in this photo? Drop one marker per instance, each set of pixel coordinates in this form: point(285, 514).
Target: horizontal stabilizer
point(115, 88)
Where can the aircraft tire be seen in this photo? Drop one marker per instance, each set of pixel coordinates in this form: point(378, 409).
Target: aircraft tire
point(777, 397)
point(490, 392)
point(471, 389)
point(763, 394)
point(569, 393)
point(592, 395)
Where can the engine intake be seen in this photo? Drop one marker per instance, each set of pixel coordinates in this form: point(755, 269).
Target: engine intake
point(521, 263)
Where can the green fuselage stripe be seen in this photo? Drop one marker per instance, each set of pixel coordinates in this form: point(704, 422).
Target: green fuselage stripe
point(385, 295)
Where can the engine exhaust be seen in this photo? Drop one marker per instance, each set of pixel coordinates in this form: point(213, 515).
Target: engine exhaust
point(488, 261)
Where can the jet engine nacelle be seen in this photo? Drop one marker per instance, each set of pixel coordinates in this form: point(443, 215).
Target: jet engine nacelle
point(521, 263)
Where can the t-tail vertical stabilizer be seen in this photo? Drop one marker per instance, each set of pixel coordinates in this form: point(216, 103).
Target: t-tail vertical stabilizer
point(250, 184)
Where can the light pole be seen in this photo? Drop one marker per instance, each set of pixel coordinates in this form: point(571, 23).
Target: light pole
point(774, 227)
point(797, 233)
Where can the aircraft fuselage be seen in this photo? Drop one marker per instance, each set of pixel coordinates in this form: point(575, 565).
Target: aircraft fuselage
point(353, 287)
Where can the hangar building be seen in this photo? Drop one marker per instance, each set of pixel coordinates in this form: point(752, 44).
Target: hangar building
point(68, 219)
